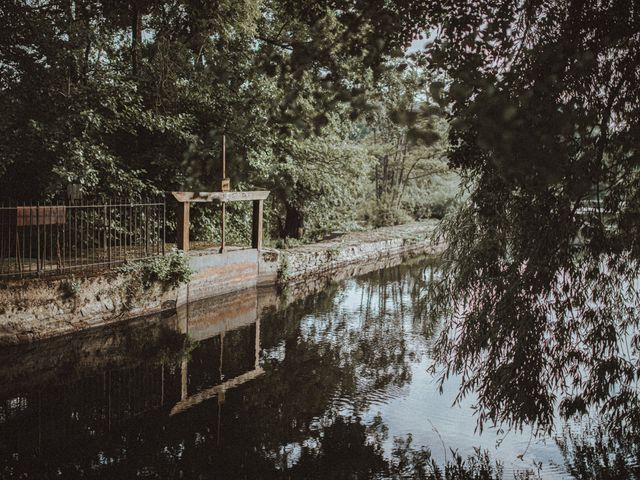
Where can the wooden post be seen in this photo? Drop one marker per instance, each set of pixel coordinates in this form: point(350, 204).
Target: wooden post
point(223, 219)
point(183, 226)
point(184, 377)
point(256, 235)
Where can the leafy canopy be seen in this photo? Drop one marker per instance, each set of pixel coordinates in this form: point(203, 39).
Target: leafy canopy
point(541, 278)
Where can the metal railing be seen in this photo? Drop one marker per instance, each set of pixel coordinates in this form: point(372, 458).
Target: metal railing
point(56, 238)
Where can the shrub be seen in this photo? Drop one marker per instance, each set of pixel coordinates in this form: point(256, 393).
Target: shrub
point(170, 271)
point(70, 287)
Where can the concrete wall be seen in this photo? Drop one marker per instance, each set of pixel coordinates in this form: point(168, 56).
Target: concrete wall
point(218, 274)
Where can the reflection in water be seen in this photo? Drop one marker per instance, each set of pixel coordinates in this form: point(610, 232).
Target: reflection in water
point(593, 453)
point(248, 386)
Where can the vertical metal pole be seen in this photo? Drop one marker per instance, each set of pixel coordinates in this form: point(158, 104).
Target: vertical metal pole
point(17, 240)
point(19, 266)
point(75, 233)
point(129, 230)
point(134, 231)
point(146, 228)
point(82, 232)
point(94, 211)
point(122, 232)
point(30, 241)
point(43, 220)
point(224, 157)
point(108, 234)
point(164, 224)
point(58, 228)
point(119, 229)
point(223, 207)
point(72, 216)
point(38, 234)
point(105, 226)
point(50, 212)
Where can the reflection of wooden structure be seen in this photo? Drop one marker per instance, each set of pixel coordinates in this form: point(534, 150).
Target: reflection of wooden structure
point(185, 199)
point(110, 384)
point(205, 321)
point(215, 391)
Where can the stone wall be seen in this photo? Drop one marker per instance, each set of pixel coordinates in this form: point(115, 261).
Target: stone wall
point(40, 308)
point(355, 249)
point(36, 309)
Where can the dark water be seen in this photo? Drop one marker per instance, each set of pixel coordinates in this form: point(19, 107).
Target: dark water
point(259, 386)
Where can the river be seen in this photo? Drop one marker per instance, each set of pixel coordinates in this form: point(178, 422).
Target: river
point(263, 386)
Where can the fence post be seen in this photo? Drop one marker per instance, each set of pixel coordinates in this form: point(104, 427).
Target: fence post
point(107, 232)
point(38, 237)
point(146, 227)
point(164, 224)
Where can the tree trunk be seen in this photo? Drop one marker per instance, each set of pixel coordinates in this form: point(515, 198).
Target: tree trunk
point(294, 223)
point(136, 37)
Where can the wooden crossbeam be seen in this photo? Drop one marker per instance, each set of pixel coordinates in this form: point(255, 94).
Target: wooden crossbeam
point(194, 197)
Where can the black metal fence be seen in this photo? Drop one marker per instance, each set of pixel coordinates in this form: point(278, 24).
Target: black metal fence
point(57, 238)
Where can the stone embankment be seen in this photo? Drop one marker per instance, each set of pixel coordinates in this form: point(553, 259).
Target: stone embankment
point(35, 309)
point(298, 264)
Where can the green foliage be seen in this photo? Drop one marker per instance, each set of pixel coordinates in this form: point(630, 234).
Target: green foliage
point(170, 271)
point(131, 98)
point(434, 198)
point(385, 211)
point(206, 223)
point(542, 262)
point(407, 139)
point(312, 181)
point(70, 287)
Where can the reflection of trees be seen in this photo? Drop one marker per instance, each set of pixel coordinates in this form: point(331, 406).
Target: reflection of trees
point(291, 422)
point(377, 342)
point(595, 453)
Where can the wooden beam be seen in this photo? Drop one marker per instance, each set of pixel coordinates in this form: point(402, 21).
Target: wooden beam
point(256, 233)
point(197, 398)
point(223, 224)
point(182, 228)
point(220, 196)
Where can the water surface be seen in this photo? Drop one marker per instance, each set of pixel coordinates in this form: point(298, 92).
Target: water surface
point(260, 385)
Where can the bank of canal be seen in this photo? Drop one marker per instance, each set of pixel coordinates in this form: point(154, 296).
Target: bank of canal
point(259, 385)
point(34, 309)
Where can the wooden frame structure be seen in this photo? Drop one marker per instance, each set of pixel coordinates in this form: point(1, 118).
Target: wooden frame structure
point(185, 199)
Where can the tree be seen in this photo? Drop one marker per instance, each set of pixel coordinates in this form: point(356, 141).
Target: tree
point(131, 98)
point(407, 137)
point(540, 275)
